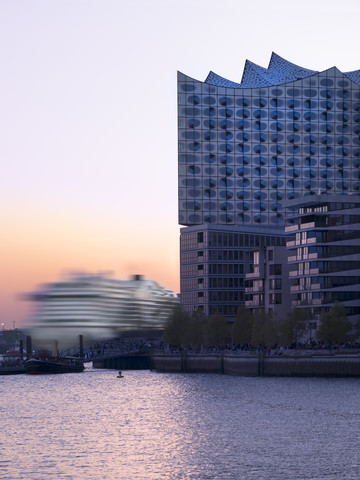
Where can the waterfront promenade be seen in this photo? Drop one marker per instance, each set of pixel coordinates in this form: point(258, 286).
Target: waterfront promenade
point(255, 364)
point(141, 355)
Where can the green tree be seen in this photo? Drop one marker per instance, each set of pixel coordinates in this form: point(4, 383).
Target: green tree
point(176, 330)
point(334, 325)
point(242, 326)
point(263, 332)
point(294, 326)
point(357, 329)
point(217, 330)
point(196, 328)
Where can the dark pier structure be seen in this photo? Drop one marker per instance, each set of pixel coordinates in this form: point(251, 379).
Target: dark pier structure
point(129, 361)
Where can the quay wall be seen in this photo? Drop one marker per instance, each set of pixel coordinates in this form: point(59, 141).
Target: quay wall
point(124, 362)
point(259, 364)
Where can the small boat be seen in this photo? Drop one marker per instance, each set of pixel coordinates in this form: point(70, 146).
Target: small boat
point(11, 363)
point(36, 366)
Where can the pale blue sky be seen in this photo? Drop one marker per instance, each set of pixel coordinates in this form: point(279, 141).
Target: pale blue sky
point(88, 142)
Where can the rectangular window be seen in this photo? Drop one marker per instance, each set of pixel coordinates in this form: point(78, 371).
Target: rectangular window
point(275, 284)
point(271, 255)
point(275, 298)
point(275, 269)
point(200, 237)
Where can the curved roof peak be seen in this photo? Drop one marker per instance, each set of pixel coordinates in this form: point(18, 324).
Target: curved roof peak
point(279, 71)
point(217, 80)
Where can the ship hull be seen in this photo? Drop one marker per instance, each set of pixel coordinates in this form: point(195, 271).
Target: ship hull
point(39, 367)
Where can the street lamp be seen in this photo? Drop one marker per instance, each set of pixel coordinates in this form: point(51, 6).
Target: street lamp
point(3, 327)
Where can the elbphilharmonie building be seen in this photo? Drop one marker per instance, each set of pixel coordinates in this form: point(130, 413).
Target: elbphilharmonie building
point(246, 149)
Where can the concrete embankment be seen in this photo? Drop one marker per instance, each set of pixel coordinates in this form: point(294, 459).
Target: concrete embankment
point(124, 362)
point(260, 365)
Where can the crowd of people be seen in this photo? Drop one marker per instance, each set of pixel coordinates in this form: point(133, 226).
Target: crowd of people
point(110, 348)
point(300, 347)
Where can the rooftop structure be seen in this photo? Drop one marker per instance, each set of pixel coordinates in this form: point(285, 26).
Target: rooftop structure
point(282, 133)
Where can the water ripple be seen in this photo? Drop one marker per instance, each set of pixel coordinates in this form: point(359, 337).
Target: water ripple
point(150, 426)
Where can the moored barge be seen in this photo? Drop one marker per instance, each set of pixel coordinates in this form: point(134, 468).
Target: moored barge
point(36, 366)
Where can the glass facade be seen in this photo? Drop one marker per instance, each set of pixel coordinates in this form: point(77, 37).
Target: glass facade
point(282, 133)
point(245, 150)
point(213, 264)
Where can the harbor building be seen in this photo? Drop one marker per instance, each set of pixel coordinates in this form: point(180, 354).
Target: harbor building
point(213, 263)
point(284, 133)
point(267, 283)
point(324, 256)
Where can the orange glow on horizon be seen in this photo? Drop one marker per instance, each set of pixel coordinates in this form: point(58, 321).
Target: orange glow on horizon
point(43, 248)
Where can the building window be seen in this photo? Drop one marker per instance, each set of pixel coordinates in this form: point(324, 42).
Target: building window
point(200, 294)
point(275, 298)
point(271, 255)
point(200, 267)
point(275, 269)
point(275, 284)
point(200, 281)
point(200, 237)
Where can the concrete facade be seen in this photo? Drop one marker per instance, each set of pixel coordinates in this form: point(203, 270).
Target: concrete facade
point(267, 282)
point(324, 256)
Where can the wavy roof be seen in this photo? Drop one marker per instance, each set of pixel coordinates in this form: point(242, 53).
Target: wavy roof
point(278, 72)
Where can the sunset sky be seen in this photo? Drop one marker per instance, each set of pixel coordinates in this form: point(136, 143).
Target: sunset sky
point(88, 142)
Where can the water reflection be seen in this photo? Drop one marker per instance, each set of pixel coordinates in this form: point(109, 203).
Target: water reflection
point(182, 426)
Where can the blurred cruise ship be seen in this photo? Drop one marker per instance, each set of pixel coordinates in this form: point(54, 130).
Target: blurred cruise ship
point(98, 307)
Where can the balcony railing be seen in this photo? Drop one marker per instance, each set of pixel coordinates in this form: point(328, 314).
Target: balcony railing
point(252, 303)
point(314, 271)
point(254, 290)
point(307, 225)
point(292, 228)
point(253, 275)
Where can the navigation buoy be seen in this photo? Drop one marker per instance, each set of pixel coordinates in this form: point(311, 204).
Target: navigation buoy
point(120, 375)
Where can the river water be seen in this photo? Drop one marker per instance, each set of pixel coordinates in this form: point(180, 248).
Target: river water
point(150, 426)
